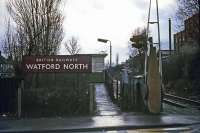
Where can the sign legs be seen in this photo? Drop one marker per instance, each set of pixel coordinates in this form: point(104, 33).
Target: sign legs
point(19, 99)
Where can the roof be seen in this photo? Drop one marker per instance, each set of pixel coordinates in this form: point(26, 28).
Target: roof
point(94, 55)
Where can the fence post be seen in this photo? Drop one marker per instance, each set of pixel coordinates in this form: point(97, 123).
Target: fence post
point(131, 96)
point(121, 93)
point(112, 90)
point(117, 90)
point(92, 96)
point(19, 99)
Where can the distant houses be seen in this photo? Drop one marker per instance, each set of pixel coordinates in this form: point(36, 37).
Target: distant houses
point(185, 40)
point(189, 36)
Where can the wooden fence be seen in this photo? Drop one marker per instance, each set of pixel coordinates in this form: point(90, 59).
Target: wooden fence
point(130, 97)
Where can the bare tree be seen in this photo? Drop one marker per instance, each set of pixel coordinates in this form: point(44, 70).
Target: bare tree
point(10, 46)
point(187, 8)
point(38, 25)
point(8, 40)
point(72, 46)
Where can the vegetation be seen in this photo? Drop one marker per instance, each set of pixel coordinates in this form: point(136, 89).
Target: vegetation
point(37, 28)
point(186, 8)
point(72, 46)
point(139, 40)
point(136, 60)
point(182, 72)
point(57, 94)
point(178, 73)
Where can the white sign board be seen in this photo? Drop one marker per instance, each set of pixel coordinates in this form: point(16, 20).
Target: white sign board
point(97, 64)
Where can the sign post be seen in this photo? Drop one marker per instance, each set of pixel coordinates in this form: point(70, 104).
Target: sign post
point(92, 98)
point(19, 99)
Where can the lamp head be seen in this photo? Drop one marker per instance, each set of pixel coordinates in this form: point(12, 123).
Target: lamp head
point(102, 40)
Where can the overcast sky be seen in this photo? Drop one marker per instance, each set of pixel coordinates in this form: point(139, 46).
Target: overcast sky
point(114, 20)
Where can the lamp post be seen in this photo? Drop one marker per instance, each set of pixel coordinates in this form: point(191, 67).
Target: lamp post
point(105, 41)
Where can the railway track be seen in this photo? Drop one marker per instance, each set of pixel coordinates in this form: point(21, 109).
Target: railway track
point(180, 101)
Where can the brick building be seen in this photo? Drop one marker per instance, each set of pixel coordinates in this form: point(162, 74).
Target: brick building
point(190, 34)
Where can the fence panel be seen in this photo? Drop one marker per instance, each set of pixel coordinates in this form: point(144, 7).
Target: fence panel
point(129, 96)
point(8, 95)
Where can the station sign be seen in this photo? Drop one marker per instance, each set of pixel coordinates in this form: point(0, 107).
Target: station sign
point(58, 63)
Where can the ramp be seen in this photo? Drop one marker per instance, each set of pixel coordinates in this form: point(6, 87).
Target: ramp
point(104, 105)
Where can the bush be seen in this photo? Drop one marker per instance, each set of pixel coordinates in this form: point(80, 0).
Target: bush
point(67, 94)
point(181, 72)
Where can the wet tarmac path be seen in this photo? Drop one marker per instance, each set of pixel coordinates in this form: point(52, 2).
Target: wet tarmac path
point(104, 105)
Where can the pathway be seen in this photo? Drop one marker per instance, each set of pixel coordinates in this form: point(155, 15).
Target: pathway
point(104, 104)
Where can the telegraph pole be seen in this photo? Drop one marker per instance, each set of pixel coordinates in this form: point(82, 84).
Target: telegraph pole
point(170, 38)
